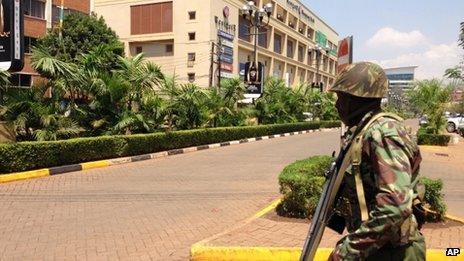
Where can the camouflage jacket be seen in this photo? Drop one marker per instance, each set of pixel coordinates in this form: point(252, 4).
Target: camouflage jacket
point(390, 163)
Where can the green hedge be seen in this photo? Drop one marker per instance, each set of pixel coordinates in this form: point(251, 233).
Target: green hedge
point(433, 139)
point(34, 155)
point(301, 186)
point(330, 124)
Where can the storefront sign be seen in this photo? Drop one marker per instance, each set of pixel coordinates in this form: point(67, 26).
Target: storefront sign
point(227, 67)
point(300, 10)
point(11, 35)
point(226, 58)
point(227, 75)
point(225, 35)
point(345, 53)
point(227, 50)
point(225, 42)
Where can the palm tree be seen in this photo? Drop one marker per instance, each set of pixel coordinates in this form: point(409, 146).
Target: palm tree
point(430, 97)
point(191, 107)
point(223, 104)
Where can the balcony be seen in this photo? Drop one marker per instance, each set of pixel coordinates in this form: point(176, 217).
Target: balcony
point(81, 5)
point(34, 27)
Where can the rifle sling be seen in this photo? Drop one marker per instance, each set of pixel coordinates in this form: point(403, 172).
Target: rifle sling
point(356, 156)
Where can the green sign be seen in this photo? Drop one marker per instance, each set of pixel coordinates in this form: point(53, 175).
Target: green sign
point(321, 39)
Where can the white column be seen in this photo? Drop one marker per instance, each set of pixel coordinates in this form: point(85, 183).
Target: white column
point(48, 13)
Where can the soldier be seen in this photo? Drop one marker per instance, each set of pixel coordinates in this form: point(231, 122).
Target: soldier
point(378, 192)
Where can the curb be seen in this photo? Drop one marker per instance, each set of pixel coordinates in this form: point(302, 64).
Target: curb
point(207, 253)
point(118, 161)
point(200, 251)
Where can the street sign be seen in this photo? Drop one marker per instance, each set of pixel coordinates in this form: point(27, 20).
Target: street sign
point(254, 77)
point(11, 35)
point(345, 53)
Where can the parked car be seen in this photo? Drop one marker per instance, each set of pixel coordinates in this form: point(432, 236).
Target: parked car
point(423, 120)
point(454, 123)
point(308, 116)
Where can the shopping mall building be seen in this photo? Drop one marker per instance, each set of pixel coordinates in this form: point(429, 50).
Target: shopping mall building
point(179, 36)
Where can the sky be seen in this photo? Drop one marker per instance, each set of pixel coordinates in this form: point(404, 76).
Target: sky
point(397, 33)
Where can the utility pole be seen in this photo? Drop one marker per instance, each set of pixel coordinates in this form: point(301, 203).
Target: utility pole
point(219, 51)
point(211, 68)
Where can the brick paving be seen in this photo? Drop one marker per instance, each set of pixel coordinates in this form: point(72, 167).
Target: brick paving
point(151, 210)
point(447, 164)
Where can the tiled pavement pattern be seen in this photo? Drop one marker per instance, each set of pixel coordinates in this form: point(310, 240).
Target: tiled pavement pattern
point(447, 163)
point(150, 210)
point(286, 232)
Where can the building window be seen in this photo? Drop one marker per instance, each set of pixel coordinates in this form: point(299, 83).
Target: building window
point(21, 80)
point(262, 37)
point(300, 53)
point(29, 42)
point(190, 59)
point(169, 48)
point(138, 49)
point(290, 49)
point(34, 8)
point(191, 77)
point(243, 29)
point(192, 36)
point(151, 18)
point(277, 43)
point(192, 15)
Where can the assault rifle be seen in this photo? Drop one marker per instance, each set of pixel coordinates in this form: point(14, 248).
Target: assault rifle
point(323, 212)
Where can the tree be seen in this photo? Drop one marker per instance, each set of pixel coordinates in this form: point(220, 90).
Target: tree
point(430, 97)
point(461, 36)
point(81, 34)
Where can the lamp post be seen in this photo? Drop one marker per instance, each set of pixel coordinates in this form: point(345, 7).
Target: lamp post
point(256, 16)
point(318, 49)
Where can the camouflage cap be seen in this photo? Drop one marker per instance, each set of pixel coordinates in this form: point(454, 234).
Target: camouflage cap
point(362, 79)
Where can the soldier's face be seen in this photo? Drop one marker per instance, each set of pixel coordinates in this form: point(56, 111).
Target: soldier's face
point(343, 106)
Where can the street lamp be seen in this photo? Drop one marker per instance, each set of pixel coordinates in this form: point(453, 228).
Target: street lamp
point(318, 49)
point(256, 17)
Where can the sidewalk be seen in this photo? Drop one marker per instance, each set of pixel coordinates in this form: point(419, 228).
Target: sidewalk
point(270, 237)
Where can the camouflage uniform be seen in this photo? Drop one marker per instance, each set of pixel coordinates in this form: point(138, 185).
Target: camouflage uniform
point(389, 169)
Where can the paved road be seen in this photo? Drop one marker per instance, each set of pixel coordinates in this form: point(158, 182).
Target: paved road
point(152, 210)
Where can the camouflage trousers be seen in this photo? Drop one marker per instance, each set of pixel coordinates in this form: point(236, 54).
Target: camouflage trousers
point(414, 251)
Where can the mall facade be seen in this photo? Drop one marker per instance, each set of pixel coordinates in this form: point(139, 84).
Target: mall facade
point(179, 36)
point(39, 16)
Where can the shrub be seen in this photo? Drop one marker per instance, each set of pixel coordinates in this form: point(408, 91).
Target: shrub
point(301, 186)
point(33, 155)
point(432, 139)
point(434, 199)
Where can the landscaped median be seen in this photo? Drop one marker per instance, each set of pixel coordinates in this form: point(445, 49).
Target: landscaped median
point(275, 234)
point(55, 157)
